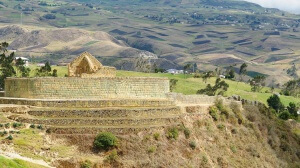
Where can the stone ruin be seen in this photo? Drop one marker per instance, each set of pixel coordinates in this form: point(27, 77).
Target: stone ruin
point(93, 99)
point(87, 66)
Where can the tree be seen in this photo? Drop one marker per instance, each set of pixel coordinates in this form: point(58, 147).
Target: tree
point(243, 71)
point(44, 70)
point(186, 68)
point(257, 83)
point(6, 64)
point(275, 103)
point(291, 88)
point(230, 74)
point(54, 73)
point(219, 88)
point(21, 68)
point(292, 108)
point(207, 75)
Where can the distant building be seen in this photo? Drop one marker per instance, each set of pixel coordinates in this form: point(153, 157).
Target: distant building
point(222, 76)
point(40, 64)
point(174, 71)
point(26, 60)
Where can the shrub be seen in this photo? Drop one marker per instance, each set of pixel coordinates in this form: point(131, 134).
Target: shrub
point(204, 160)
point(1, 125)
point(192, 145)
point(221, 127)
point(234, 131)
point(151, 149)
point(9, 137)
point(32, 126)
point(213, 111)
point(187, 133)
point(156, 136)
point(233, 149)
point(284, 115)
point(86, 164)
point(112, 157)
point(172, 133)
point(105, 141)
point(39, 127)
point(15, 125)
point(7, 125)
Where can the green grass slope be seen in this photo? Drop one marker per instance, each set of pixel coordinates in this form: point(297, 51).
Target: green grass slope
point(16, 163)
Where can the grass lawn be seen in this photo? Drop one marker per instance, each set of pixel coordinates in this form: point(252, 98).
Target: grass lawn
point(16, 163)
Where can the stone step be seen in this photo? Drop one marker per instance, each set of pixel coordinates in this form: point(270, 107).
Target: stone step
point(105, 112)
point(129, 121)
point(93, 130)
point(88, 103)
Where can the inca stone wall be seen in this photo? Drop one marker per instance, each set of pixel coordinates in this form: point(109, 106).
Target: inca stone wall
point(81, 88)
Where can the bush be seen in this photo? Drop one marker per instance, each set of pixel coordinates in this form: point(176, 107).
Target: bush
point(1, 125)
point(112, 157)
point(49, 16)
point(187, 133)
point(86, 164)
point(233, 149)
point(213, 111)
point(9, 137)
point(172, 133)
point(151, 149)
point(32, 126)
point(221, 127)
point(15, 125)
point(284, 115)
point(39, 127)
point(105, 141)
point(7, 125)
point(192, 145)
point(156, 136)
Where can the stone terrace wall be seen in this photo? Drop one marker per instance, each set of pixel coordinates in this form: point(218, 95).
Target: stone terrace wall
point(2, 94)
point(192, 99)
point(82, 88)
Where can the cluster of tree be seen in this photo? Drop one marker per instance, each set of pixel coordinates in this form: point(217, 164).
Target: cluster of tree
point(46, 71)
point(291, 88)
point(292, 71)
point(12, 67)
point(49, 16)
point(257, 83)
point(289, 112)
point(219, 88)
point(6, 64)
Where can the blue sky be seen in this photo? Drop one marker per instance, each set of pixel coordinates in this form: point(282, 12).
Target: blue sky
point(292, 6)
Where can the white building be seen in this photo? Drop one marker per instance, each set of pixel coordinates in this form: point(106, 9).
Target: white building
point(26, 60)
point(174, 71)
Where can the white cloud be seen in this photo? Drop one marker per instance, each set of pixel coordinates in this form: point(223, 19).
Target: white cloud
point(287, 5)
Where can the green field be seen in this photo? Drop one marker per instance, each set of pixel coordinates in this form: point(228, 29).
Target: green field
point(16, 163)
point(189, 85)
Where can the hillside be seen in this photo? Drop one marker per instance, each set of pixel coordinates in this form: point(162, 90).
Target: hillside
point(211, 34)
point(252, 137)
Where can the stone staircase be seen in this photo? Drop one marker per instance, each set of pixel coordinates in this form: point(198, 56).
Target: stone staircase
point(94, 116)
